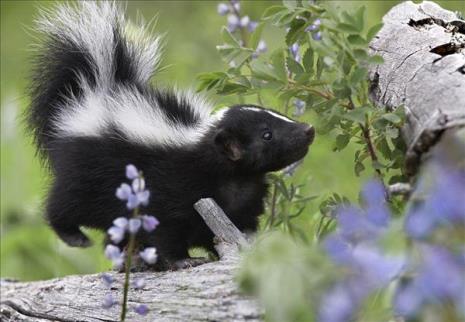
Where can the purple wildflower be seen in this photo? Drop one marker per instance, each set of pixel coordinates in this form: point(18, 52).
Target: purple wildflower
point(223, 9)
point(338, 249)
point(233, 23)
point(314, 27)
point(236, 5)
point(149, 255)
point(299, 107)
point(114, 254)
point(143, 197)
point(245, 21)
point(108, 301)
point(149, 223)
point(444, 204)
point(439, 278)
point(261, 48)
point(116, 234)
point(141, 309)
point(338, 304)
point(123, 192)
point(138, 283)
point(294, 50)
point(131, 172)
point(252, 26)
point(374, 196)
point(107, 279)
point(317, 36)
point(134, 225)
point(121, 222)
point(138, 185)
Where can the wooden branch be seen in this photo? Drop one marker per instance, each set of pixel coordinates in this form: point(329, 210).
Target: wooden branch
point(219, 223)
point(204, 293)
point(423, 47)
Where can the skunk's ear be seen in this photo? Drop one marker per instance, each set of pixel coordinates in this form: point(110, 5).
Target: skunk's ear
point(229, 145)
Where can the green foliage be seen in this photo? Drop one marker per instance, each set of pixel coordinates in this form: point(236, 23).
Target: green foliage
point(285, 285)
point(323, 61)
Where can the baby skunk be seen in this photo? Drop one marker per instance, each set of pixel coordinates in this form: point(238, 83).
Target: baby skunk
point(94, 111)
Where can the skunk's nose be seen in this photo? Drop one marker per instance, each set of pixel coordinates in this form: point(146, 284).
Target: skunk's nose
point(309, 132)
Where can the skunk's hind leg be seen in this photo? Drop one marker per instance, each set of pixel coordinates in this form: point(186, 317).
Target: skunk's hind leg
point(72, 237)
point(62, 214)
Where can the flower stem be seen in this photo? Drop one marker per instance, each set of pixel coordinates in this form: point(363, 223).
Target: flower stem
point(129, 252)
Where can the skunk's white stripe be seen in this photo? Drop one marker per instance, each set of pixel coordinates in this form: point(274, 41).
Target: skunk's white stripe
point(279, 116)
point(130, 112)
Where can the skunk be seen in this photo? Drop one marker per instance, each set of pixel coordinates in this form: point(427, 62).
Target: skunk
point(93, 111)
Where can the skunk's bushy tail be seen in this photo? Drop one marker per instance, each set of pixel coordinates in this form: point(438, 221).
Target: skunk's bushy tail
point(87, 47)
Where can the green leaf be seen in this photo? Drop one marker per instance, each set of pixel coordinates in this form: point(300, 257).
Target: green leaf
point(232, 88)
point(345, 27)
point(376, 59)
point(341, 141)
point(296, 27)
point(279, 67)
point(357, 115)
point(359, 18)
point(209, 80)
point(290, 4)
point(319, 67)
point(308, 60)
point(384, 148)
point(313, 8)
point(228, 38)
point(360, 54)
point(256, 36)
point(356, 40)
point(272, 11)
point(393, 118)
point(373, 31)
point(262, 70)
point(358, 168)
point(392, 132)
point(286, 18)
point(294, 66)
point(359, 74)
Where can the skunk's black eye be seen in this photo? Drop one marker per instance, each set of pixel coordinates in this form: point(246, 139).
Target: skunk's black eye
point(267, 135)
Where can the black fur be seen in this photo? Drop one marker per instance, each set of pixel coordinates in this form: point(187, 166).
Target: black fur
point(228, 164)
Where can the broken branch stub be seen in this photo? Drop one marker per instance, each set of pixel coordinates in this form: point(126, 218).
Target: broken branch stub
point(423, 47)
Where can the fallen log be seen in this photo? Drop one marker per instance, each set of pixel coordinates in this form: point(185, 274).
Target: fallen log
point(203, 293)
point(423, 47)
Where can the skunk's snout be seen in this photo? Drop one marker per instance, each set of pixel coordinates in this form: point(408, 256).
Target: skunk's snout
point(309, 132)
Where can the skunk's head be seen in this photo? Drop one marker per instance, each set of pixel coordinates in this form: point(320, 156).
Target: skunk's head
point(255, 139)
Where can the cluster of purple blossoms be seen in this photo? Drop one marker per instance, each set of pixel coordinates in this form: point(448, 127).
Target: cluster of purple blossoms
point(435, 224)
point(354, 247)
point(135, 196)
point(314, 29)
point(294, 49)
point(236, 22)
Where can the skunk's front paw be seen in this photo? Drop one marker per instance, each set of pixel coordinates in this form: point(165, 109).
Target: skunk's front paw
point(189, 262)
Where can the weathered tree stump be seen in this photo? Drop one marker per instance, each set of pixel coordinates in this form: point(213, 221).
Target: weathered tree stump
point(423, 46)
point(204, 293)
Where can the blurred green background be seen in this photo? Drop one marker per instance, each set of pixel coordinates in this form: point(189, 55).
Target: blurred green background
point(29, 249)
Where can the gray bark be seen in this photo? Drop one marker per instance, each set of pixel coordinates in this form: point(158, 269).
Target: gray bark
point(204, 293)
point(423, 46)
